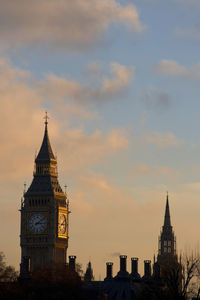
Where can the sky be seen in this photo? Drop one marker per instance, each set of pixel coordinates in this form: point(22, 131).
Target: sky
point(120, 81)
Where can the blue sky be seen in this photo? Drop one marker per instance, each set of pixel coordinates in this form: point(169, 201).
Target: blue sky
point(120, 81)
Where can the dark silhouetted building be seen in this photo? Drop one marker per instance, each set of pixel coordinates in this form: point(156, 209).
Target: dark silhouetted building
point(167, 269)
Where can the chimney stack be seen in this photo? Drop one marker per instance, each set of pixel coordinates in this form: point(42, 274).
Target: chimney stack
point(134, 265)
point(123, 263)
point(72, 262)
point(122, 272)
point(147, 268)
point(134, 268)
point(109, 271)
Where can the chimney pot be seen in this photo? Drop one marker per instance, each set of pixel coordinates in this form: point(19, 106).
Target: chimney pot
point(72, 262)
point(109, 270)
point(134, 265)
point(123, 263)
point(147, 268)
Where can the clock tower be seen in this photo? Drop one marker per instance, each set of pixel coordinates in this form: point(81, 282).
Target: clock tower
point(44, 214)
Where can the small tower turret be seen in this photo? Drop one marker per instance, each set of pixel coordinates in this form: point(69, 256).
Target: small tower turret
point(89, 273)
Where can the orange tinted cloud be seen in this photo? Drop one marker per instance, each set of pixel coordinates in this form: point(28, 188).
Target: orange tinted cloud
point(172, 68)
point(162, 140)
point(55, 87)
point(21, 113)
point(143, 169)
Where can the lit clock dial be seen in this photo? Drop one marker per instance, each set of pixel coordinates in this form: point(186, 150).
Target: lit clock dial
point(37, 223)
point(62, 224)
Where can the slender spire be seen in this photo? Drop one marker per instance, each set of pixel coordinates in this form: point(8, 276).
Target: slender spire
point(45, 153)
point(89, 273)
point(167, 221)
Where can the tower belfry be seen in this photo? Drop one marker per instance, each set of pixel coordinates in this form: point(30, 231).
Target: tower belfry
point(44, 212)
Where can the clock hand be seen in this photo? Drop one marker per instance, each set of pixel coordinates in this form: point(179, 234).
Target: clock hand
point(39, 223)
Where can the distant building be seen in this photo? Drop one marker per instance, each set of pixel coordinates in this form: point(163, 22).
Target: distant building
point(167, 256)
point(125, 286)
point(167, 239)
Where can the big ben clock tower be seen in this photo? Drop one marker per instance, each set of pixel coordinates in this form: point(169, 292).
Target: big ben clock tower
point(44, 213)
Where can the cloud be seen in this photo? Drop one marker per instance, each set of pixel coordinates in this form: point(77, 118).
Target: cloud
point(11, 73)
point(65, 24)
point(19, 137)
point(121, 78)
point(143, 169)
point(162, 140)
point(96, 70)
point(64, 95)
point(73, 110)
point(172, 68)
point(21, 113)
point(85, 150)
point(97, 181)
point(157, 99)
point(55, 87)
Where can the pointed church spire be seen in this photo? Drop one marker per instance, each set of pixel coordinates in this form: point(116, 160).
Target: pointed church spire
point(45, 172)
point(167, 221)
point(45, 153)
point(89, 273)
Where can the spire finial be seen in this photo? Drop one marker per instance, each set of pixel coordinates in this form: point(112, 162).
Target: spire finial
point(46, 118)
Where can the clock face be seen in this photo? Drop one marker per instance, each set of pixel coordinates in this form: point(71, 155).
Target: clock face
point(37, 223)
point(62, 224)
